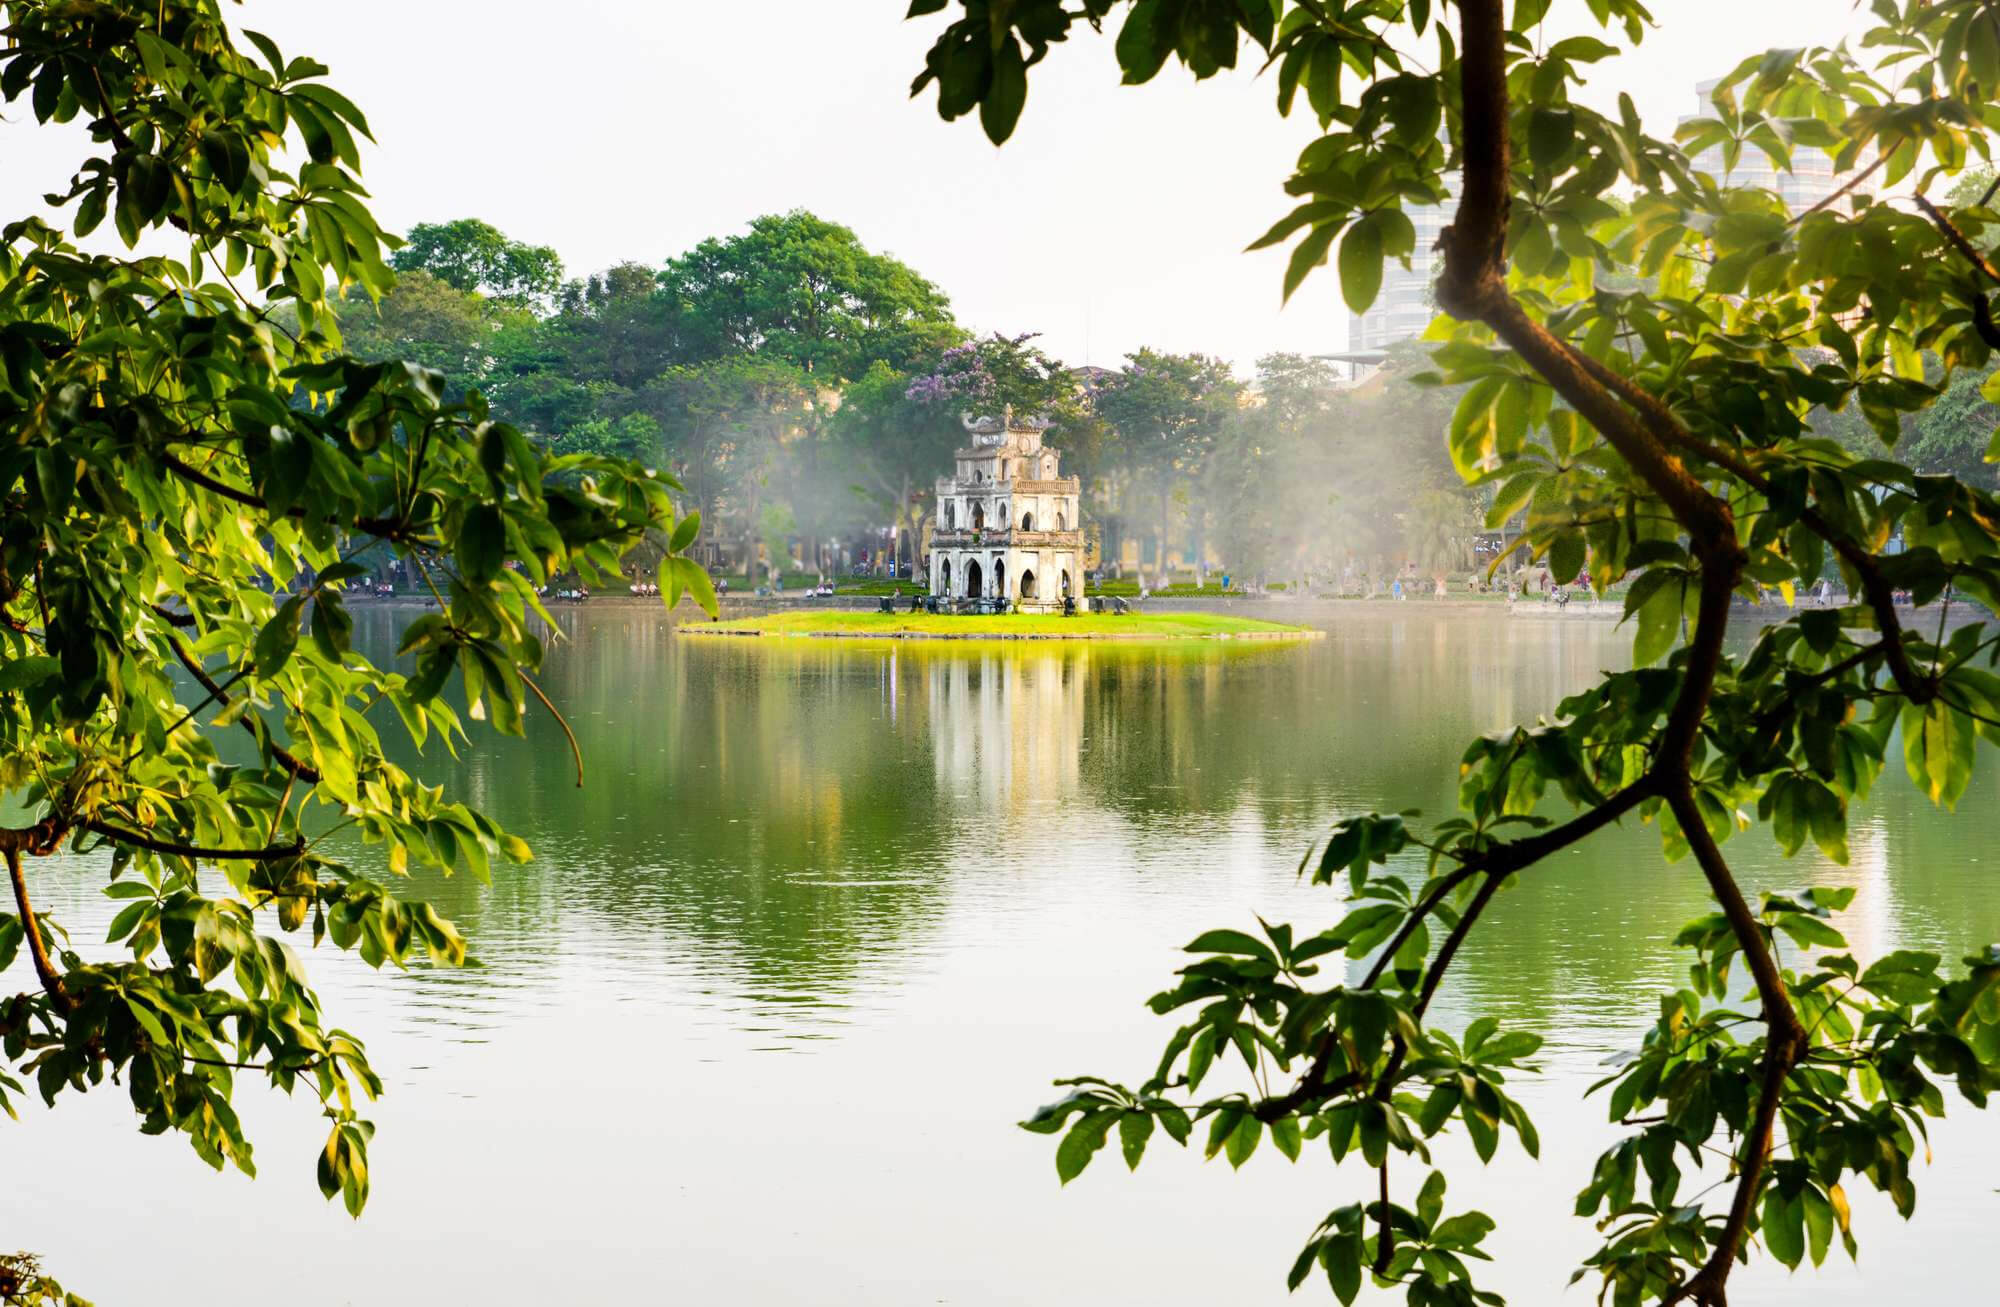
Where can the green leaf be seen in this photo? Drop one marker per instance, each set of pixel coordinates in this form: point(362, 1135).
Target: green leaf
point(1659, 623)
point(1308, 254)
point(1134, 1128)
point(1341, 1255)
point(1513, 497)
point(1551, 131)
point(1374, 1133)
point(1819, 1223)
point(1000, 108)
point(1784, 1227)
point(1437, 1109)
point(1081, 1143)
point(1566, 556)
point(670, 581)
point(692, 578)
point(1937, 749)
point(1049, 1118)
point(482, 544)
point(332, 626)
point(685, 531)
point(1139, 48)
point(1285, 1136)
point(1361, 264)
point(27, 671)
point(1243, 1139)
point(1904, 976)
point(1430, 1199)
point(1464, 1232)
point(278, 638)
point(1230, 941)
point(11, 935)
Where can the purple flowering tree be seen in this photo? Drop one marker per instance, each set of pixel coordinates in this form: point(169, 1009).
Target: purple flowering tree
point(897, 431)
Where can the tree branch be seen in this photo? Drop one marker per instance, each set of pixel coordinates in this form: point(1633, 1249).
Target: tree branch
point(31, 928)
point(386, 528)
point(1881, 157)
point(576, 751)
point(1880, 595)
point(270, 853)
point(1472, 286)
point(1497, 863)
point(1958, 239)
point(283, 756)
point(1784, 1041)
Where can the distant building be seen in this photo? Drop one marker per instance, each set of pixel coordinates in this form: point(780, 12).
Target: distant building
point(1007, 524)
point(1404, 309)
point(1810, 181)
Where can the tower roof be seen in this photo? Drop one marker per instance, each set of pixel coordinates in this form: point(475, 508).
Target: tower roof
point(989, 432)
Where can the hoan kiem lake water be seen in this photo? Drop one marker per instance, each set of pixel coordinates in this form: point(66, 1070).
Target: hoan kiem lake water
point(829, 916)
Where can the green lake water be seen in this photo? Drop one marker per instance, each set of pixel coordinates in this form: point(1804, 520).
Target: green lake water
point(828, 917)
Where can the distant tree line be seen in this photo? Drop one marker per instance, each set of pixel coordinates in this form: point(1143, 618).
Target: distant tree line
point(806, 390)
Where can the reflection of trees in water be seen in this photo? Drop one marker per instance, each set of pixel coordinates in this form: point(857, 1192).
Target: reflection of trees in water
point(1375, 715)
point(746, 813)
point(794, 819)
point(1944, 893)
point(1565, 942)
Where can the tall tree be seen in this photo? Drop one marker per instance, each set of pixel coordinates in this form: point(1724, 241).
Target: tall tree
point(425, 321)
point(1266, 483)
point(892, 446)
point(802, 289)
point(1168, 410)
point(728, 426)
point(472, 255)
point(190, 477)
point(1658, 429)
point(901, 432)
point(620, 328)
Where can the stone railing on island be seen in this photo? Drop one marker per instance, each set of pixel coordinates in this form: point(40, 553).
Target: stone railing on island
point(1006, 538)
point(1002, 489)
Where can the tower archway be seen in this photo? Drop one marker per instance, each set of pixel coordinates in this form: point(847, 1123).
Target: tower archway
point(979, 517)
point(944, 577)
point(972, 579)
point(1027, 521)
point(1027, 583)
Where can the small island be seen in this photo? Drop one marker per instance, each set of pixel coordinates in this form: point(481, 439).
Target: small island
point(991, 579)
point(851, 625)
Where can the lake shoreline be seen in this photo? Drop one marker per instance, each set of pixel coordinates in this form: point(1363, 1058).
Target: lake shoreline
point(838, 624)
point(1142, 637)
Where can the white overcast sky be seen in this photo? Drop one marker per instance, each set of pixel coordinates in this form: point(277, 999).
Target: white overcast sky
point(1115, 218)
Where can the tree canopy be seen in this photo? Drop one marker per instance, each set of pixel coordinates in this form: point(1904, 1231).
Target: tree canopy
point(471, 255)
point(867, 439)
point(193, 469)
point(1638, 380)
point(807, 291)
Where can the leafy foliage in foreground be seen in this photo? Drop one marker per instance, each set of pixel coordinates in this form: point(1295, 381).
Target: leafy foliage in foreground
point(1651, 427)
point(190, 471)
point(23, 1282)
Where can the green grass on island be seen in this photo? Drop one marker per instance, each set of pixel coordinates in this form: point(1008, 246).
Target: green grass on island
point(1084, 626)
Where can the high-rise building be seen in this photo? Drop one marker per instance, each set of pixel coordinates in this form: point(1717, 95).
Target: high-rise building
point(1404, 309)
point(1810, 180)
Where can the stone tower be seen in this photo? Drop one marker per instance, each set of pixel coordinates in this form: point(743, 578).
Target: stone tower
point(1007, 523)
